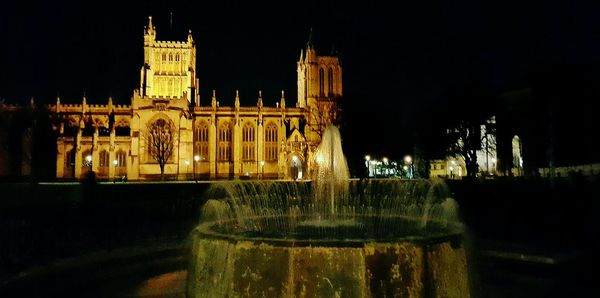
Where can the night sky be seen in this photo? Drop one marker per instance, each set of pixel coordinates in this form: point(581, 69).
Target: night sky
point(400, 58)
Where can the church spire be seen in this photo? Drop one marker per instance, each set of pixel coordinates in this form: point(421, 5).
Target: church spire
point(309, 42)
point(150, 31)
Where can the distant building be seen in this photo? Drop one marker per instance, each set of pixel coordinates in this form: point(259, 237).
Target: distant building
point(452, 168)
point(209, 141)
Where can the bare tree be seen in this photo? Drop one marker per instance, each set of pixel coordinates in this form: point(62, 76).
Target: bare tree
point(322, 114)
point(466, 138)
point(160, 137)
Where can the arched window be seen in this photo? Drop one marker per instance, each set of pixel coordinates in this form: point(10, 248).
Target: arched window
point(330, 81)
point(103, 159)
point(170, 87)
point(69, 163)
point(103, 163)
point(248, 143)
point(170, 57)
point(201, 140)
point(177, 86)
point(164, 57)
point(321, 82)
point(271, 142)
point(121, 168)
point(224, 142)
point(156, 65)
point(177, 57)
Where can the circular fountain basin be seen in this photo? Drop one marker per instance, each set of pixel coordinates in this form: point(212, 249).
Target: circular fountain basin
point(334, 258)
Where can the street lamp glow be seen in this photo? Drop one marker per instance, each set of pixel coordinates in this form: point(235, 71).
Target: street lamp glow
point(385, 160)
point(115, 162)
point(405, 168)
point(88, 158)
point(408, 159)
point(262, 163)
point(187, 162)
point(197, 158)
point(367, 157)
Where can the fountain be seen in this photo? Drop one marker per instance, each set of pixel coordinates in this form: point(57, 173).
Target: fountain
point(332, 237)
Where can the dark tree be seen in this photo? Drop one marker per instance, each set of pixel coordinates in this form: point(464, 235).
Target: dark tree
point(470, 109)
point(160, 137)
point(321, 115)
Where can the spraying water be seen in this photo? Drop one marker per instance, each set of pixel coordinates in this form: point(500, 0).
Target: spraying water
point(332, 173)
point(330, 237)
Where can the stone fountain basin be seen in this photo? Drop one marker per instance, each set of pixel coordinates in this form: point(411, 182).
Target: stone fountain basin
point(255, 264)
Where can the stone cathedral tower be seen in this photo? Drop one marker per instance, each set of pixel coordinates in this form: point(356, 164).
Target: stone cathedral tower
point(169, 66)
point(319, 90)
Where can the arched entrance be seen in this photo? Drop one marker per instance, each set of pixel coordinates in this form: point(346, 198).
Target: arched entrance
point(296, 171)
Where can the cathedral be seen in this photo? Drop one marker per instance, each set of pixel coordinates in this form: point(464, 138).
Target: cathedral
point(165, 132)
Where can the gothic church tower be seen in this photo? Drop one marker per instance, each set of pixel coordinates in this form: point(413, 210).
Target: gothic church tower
point(169, 66)
point(319, 90)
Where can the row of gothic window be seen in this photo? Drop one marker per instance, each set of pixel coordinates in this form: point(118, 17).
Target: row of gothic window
point(103, 161)
point(248, 142)
point(164, 57)
point(322, 81)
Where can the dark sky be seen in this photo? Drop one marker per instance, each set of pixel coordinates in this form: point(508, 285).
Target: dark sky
point(399, 57)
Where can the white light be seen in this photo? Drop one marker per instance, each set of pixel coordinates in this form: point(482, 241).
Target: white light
point(320, 158)
point(385, 160)
point(451, 168)
point(197, 158)
point(115, 162)
point(408, 159)
point(405, 168)
point(262, 163)
point(367, 157)
point(295, 158)
point(493, 160)
point(187, 162)
point(88, 158)
point(454, 162)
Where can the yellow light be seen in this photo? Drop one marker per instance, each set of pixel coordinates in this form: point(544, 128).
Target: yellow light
point(187, 162)
point(385, 160)
point(197, 158)
point(367, 157)
point(408, 159)
point(88, 158)
point(262, 163)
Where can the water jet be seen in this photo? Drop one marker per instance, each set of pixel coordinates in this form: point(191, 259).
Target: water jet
point(331, 237)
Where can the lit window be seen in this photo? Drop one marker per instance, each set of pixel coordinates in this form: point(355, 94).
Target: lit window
point(201, 140)
point(248, 144)
point(271, 142)
point(224, 149)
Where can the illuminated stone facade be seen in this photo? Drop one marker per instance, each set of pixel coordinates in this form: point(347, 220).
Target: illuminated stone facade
point(211, 141)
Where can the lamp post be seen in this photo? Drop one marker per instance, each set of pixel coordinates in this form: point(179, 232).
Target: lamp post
point(385, 164)
point(88, 161)
point(262, 169)
point(196, 160)
point(368, 161)
point(115, 164)
point(408, 160)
